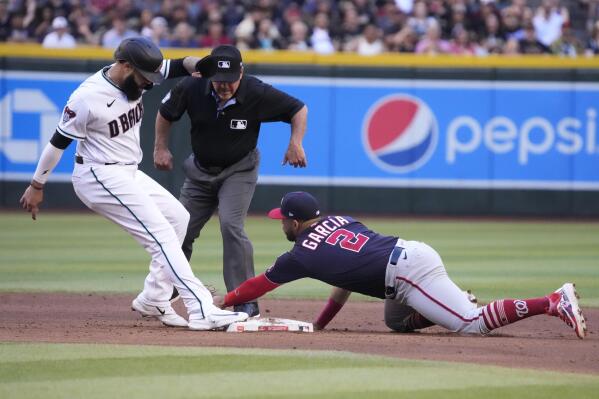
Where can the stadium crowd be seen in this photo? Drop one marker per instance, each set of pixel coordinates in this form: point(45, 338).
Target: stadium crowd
point(367, 27)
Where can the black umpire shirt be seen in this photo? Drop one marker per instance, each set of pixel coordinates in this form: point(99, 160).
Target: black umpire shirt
point(219, 138)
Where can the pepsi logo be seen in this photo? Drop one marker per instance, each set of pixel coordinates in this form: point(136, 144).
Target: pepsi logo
point(399, 133)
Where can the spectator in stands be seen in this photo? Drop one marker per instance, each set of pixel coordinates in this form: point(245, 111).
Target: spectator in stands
point(118, 33)
point(405, 6)
point(18, 32)
point(368, 43)
point(404, 41)
point(511, 24)
point(158, 31)
point(184, 36)
point(511, 47)
point(391, 20)
point(299, 37)
point(244, 32)
point(41, 24)
point(267, 36)
point(321, 39)
point(461, 43)
point(529, 44)
point(83, 32)
point(215, 36)
point(60, 36)
point(421, 22)
point(4, 21)
point(457, 21)
point(432, 43)
point(567, 45)
point(548, 21)
point(350, 29)
point(592, 47)
point(494, 38)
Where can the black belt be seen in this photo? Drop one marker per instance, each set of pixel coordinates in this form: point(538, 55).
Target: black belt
point(79, 160)
point(211, 170)
point(395, 255)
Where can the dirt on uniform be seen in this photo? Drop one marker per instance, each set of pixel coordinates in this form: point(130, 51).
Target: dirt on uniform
point(539, 342)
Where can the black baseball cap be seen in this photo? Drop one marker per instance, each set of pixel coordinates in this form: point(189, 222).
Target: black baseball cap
point(298, 205)
point(228, 63)
point(144, 55)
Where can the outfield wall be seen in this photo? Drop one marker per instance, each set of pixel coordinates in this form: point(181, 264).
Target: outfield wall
point(390, 134)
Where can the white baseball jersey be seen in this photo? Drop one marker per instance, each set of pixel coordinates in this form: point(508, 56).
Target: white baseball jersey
point(103, 121)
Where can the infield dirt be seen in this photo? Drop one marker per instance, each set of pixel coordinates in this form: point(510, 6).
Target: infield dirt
point(539, 342)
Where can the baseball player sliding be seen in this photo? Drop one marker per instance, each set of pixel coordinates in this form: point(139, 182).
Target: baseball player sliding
point(104, 115)
point(343, 252)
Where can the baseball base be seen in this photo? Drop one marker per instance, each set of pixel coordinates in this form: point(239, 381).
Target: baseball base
point(270, 324)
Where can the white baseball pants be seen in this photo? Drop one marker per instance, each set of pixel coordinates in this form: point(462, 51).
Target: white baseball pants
point(156, 219)
point(421, 283)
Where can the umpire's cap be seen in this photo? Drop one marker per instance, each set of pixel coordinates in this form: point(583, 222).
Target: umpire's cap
point(298, 205)
point(144, 55)
point(228, 63)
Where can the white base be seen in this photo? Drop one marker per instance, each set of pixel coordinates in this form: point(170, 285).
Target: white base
point(270, 324)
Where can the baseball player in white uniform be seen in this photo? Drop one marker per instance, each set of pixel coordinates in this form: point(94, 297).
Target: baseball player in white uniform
point(104, 116)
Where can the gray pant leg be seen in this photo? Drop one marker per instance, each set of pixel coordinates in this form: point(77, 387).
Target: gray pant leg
point(234, 198)
point(200, 199)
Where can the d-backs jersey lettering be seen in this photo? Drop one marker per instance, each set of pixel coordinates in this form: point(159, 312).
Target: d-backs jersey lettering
point(339, 251)
point(103, 121)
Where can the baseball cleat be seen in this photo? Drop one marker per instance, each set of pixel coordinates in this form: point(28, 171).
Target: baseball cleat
point(563, 303)
point(251, 308)
point(217, 319)
point(166, 314)
point(471, 297)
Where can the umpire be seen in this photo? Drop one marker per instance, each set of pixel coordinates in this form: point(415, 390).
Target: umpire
point(226, 109)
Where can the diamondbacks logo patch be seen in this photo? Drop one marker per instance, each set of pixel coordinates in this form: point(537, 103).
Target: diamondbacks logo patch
point(239, 124)
point(68, 114)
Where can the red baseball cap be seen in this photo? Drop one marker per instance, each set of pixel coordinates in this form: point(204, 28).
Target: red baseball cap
point(298, 205)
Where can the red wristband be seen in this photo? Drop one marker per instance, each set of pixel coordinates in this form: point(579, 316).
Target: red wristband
point(327, 314)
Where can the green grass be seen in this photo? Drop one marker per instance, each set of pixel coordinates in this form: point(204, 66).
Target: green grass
point(102, 371)
point(84, 252)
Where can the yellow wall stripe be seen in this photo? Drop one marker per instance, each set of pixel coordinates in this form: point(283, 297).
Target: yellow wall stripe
point(309, 58)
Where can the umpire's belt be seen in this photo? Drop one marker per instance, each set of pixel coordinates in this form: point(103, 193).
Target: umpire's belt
point(211, 170)
point(79, 159)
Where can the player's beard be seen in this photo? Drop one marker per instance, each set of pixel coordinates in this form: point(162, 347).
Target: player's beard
point(132, 89)
point(290, 236)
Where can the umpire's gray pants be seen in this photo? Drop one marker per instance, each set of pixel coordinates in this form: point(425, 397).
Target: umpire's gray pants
point(230, 191)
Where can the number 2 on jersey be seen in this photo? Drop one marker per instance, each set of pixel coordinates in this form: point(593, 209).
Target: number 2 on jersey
point(347, 240)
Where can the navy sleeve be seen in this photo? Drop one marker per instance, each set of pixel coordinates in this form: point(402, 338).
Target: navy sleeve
point(278, 106)
point(285, 269)
point(174, 103)
point(59, 141)
point(175, 69)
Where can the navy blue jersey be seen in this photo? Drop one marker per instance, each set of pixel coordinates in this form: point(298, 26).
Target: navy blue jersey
point(339, 251)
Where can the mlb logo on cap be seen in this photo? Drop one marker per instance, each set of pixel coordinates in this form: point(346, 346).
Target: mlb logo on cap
point(224, 64)
point(298, 205)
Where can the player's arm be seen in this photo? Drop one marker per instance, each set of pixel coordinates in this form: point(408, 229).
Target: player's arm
point(34, 194)
point(163, 159)
point(295, 154)
point(336, 301)
point(248, 291)
point(277, 105)
point(188, 66)
point(172, 108)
